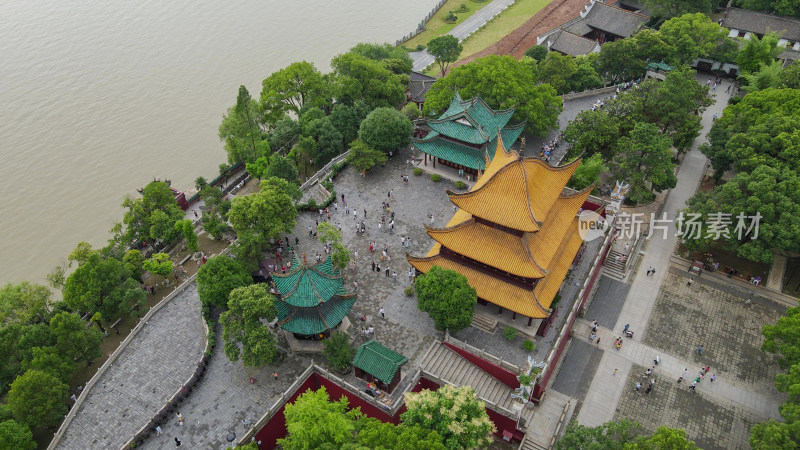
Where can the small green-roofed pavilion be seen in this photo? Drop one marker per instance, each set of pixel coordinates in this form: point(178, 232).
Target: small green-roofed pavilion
point(312, 299)
point(660, 66)
point(377, 361)
point(466, 133)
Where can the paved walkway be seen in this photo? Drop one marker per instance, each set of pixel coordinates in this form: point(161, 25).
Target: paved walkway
point(159, 359)
point(463, 30)
point(606, 388)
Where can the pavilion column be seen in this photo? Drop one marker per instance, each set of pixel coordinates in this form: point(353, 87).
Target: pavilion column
point(434, 161)
point(499, 310)
point(530, 321)
point(426, 158)
point(514, 316)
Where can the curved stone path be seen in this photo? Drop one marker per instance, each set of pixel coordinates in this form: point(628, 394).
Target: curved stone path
point(154, 365)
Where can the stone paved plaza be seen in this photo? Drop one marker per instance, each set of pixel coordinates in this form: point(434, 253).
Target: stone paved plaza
point(156, 363)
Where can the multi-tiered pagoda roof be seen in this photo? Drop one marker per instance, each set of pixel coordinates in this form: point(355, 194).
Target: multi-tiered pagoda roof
point(514, 235)
point(467, 131)
point(312, 298)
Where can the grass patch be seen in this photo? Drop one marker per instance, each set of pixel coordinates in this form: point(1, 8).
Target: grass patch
point(436, 26)
point(509, 20)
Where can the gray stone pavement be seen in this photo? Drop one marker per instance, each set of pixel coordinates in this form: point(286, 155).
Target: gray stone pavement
point(463, 30)
point(599, 405)
point(578, 368)
point(156, 363)
point(608, 301)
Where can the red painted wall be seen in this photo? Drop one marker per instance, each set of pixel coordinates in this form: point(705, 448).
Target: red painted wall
point(502, 375)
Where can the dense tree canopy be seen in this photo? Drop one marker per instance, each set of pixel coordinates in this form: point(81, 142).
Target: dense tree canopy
point(73, 339)
point(672, 8)
point(15, 435)
point(502, 82)
point(218, 277)
point(50, 360)
point(24, 303)
point(257, 218)
point(645, 161)
point(363, 157)
point(245, 334)
point(153, 215)
point(588, 172)
point(327, 139)
point(37, 399)
point(386, 129)
point(455, 413)
point(780, 7)
point(537, 52)
point(392, 57)
point(445, 50)
point(447, 297)
point(358, 78)
point(103, 285)
point(240, 130)
point(346, 119)
point(693, 36)
point(215, 211)
point(292, 88)
point(757, 52)
point(623, 434)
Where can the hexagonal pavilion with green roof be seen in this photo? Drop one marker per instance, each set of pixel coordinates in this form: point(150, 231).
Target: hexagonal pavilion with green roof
point(312, 300)
point(466, 133)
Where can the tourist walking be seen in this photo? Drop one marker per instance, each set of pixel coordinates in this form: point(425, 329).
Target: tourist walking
point(178, 442)
point(180, 419)
point(158, 430)
point(275, 374)
point(383, 313)
point(638, 386)
point(700, 350)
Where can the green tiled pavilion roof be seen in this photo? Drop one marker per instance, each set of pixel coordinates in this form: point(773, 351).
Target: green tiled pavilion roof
point(378, 361)
point(315, 320)
point(308, 286)
point(471, 121)
point(452, 151)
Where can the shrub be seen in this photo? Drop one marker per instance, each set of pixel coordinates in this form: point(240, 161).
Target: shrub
point(312, 203)
point(417, 171)
point(420, 47)
point(409, 290)
point(528, 345)
point(450, 17)
point(525, 380)
point(463, 8)
point(338, 351)
point(436, 178)
point(556, 299)
point(510, 333)
point(460, 185)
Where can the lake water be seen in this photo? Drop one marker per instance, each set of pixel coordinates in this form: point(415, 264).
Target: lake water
point(100, 97)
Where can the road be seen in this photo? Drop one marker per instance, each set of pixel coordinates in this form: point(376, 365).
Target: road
point(463, 30)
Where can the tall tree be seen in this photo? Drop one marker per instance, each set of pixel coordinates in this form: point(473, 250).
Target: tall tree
point(610, 435)
point(24, 303)
point(346, 119)
point(50, 360)
point(445, 50)
point(358, 78)
point(780, 7)
point(313, 421)
point(693, 35)
point(103, 285)
point(588, 172)
point(284, 135)
point(159, 264)
point(447, 297)
point(244, 139)
point(502, 82)
point(363, 157)
point(393, 58)
point(645, 161)
point(245, 334)
point(455, 413)
point(594, 132)
point(537, 52)
point(37, 399)
point(15, 435)
point(329, 234)
point(386, 129)
point(556, 70)
point(73, 339)
point(257, 218)
point(145, 215)
point(291, 88)
point(218, 277)
point(756, 53)
point(186, 228)
point(316, 125)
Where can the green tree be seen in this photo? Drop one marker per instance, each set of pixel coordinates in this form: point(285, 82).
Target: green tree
point(537, 52)
point(783, 338)
point(72, 339)
point(244, 140)
point(588, 172)
point(24, 303)
point(363, 157)
point(392, 56)
point(50, 360)
point(284, 135)
point(556, 70)
point(291, 88)
point(257, 218)
point(692, 35)
point(245, 334)
point(281, 167)
point(338, 351)
point(159, 264)
point(619, 61)
point(146, 215)
point(218, 277)
point(215, 211)
point(502, 82)
point(774, 435)
point(789, 77)
point(104, 286)
point(346, 119)
point(780, 7)
point(455, 413)
point(133, 262)
point(315, 124)
point(445, 50)
point(411, 110)
point(15, 435)
point(645, 161)
point(666, 9)
point(358, 78)
point(37, 399)
point(81, 253)
point(447, 297)
point(611, 435)
point(585, 76)
point(594, 132)
point(772, 194)
point(386, 129)
point(16, 345)
point(666, 438)
point(340, 256)
point(313, 421)
point(756, 52)
point(768, 76)
point(186, 228)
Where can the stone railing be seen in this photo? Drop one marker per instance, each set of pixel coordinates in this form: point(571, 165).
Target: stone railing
point(590, 92)
point(421, 26)
point(323, 171)
point(111, 359)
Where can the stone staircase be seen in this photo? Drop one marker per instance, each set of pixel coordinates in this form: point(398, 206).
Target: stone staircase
point(483, 322)
point(450, 367)
point(547, 421)
point(614, 269)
